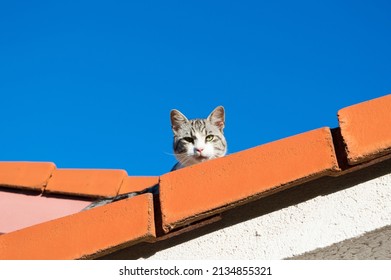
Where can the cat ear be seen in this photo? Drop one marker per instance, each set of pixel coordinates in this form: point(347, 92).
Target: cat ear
point(177, 119)
point(217, 117)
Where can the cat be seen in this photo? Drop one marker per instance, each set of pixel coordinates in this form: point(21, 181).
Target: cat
point(195, 141)
point(198, 140)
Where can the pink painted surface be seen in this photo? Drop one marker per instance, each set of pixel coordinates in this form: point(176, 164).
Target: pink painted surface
point(19, 210)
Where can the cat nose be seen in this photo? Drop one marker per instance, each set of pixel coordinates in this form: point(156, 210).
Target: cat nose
point(199, 149)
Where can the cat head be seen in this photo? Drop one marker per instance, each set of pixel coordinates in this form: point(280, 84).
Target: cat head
point(198, 140)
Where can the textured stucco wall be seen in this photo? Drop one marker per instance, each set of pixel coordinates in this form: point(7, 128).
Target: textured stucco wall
point(374, 245)
point(302, 219)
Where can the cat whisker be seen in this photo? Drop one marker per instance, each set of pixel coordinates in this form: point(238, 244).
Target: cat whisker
point(169, 154)
point(184, 159)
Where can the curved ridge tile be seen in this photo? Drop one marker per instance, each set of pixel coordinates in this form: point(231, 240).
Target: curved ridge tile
point(84, 235)
point(366, 129)
point(86, 182)
point(201, 190)
point(26, 175)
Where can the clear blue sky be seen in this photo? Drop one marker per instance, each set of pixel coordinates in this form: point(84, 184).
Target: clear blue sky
point(90, 84)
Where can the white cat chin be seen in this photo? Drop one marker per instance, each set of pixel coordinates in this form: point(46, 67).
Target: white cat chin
point(191, 160)
point(200, 158)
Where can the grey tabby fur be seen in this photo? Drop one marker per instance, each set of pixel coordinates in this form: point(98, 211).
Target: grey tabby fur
point(198, 140)
point(195, 141)
point(107, 200)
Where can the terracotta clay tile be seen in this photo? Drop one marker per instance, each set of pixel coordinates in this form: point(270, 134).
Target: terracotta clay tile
point(201, 190)
point(366, 129)
point(86, 182)
point(139, 183)
point(86, 234)
point(27, 175)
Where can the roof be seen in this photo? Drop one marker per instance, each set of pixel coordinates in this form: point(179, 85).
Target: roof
point(188, 198)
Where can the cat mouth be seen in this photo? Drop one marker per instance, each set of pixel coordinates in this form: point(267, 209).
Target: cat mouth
point(201, 157)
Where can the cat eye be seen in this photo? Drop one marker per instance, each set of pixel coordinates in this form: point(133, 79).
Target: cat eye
point(188, 139)
point(209, 138)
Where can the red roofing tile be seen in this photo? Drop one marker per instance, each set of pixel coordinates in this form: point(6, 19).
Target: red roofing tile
point(366, 129)
point(138, 183)
point(28, 175)
point(192, 193)
point(86, 234)
point(86, 182)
